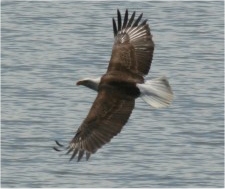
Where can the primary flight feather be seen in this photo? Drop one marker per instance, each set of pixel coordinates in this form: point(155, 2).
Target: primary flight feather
point(118, 88)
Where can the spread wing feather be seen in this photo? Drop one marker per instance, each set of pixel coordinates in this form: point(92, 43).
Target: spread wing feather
point(109, 113)
point(119, 20)
point(133, 46)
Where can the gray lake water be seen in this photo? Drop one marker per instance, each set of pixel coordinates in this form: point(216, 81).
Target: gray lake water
point(48, 46)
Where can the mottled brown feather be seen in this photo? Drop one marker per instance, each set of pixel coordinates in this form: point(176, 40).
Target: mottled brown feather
point(108, 114)
point(133, 46)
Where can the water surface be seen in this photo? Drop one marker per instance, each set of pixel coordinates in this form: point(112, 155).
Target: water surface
point(48, 46)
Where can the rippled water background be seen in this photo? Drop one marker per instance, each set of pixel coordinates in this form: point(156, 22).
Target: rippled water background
point(48, 46)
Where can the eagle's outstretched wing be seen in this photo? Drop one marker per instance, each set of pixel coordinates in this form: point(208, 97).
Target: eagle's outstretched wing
point(133, 46)
point(108, 114)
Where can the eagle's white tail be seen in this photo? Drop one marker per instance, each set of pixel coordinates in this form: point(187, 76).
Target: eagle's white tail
point(156, 92)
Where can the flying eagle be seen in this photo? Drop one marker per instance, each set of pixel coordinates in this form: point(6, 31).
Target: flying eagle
point(118, 88)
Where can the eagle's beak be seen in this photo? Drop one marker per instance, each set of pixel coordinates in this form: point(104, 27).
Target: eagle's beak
point(81, 82)
point(78, 83)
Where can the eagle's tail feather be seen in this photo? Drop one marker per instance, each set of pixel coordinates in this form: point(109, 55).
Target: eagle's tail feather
point(156, 92)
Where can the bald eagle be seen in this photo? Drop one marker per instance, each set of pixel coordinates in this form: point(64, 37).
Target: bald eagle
point(118, 88)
